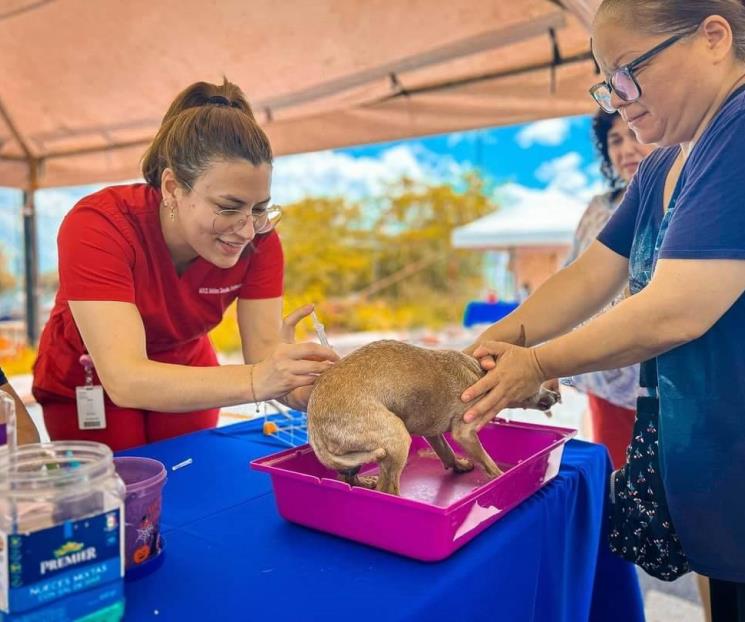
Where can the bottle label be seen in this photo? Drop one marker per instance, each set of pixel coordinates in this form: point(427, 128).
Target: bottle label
point(40, 567)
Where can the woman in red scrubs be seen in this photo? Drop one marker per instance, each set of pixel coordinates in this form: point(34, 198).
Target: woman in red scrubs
point(146, 270)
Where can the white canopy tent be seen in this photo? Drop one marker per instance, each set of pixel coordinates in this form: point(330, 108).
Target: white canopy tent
point(530, 226)
point(526, 218)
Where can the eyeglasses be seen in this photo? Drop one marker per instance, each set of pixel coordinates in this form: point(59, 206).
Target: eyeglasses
point(264, 218)
point(231, 220)
point(623, 82)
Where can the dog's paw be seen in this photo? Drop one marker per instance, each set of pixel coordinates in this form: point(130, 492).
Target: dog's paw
point(493, 471)
point(547, 399)
point(462, 465)
point(367, 481)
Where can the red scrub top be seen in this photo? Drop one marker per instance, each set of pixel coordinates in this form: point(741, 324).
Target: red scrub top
point(111, 247)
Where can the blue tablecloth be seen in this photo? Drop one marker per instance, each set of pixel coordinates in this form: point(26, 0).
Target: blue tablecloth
point(229, 556)
point(482, 312)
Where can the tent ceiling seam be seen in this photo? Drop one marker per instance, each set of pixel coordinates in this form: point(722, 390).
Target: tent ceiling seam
point(24, 9)
point(16, 134)
point(453, 84)
point(478, 43)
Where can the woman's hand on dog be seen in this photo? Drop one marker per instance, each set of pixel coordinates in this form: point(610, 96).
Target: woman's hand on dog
point(290, 366)
point(513, 375)
point(290, 371)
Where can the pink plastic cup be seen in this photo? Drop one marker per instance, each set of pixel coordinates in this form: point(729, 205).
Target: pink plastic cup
point(144, 479)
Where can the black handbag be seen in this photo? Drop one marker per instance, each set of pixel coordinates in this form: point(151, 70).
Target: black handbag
point(641, 529)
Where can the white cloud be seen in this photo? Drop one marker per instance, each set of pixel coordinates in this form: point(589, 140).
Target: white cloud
point(549, 132)
point(566, 174)
point(331, 173)
point(486, 137)
point(593, 169)
point(568, 164)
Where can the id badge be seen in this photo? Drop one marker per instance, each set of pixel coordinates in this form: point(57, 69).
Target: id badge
point(91, 413)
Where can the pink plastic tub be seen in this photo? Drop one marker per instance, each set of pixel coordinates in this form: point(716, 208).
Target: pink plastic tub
point(438, 511)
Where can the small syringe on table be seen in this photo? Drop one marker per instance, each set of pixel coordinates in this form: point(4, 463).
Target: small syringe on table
point(320, 330)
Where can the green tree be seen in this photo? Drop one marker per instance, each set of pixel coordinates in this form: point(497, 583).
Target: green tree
point(418, 223)
point(328, 250)
point(392, 254)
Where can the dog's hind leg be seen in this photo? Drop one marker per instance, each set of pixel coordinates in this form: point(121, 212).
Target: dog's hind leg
point(465, 435)
point(397, 443)
point(449, 459)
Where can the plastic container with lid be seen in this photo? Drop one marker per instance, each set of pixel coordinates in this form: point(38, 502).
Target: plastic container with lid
point(61, 531)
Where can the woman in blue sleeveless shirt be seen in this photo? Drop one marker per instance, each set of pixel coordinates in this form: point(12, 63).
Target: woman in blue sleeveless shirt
point(675, 70)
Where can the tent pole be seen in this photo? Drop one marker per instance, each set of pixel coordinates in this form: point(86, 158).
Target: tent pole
point(30, 245)
point(31, 257)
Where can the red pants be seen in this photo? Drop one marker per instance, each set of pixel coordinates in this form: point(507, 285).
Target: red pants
point(125, 427)
point(613, 426)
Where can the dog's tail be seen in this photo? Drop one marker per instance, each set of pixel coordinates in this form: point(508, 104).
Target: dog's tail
point(343, 462)
point(353, 459)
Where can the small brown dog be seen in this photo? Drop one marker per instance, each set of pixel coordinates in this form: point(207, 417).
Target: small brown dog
point(366, 406)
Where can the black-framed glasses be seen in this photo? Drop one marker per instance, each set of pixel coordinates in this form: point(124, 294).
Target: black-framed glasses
point(623, 82)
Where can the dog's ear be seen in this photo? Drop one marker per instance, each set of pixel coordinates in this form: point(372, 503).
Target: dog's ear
point(521, 340)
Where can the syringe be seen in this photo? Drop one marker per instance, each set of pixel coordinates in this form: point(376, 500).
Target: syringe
point(320, 331)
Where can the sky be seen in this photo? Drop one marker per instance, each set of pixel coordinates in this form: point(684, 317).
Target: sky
point(553, 153)
point(542, 157)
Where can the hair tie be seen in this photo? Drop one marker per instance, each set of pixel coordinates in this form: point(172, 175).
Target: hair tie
point(219, 100)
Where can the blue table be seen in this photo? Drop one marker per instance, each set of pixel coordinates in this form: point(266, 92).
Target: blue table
point(482, 312)
point(229, 556)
